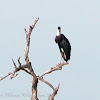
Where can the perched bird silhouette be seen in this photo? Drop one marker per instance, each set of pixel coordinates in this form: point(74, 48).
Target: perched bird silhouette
point(64, 45)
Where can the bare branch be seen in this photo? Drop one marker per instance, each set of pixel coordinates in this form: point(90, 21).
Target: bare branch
point(51, 97)
point(41, 79)
point(1, 78)
point(16, 69)
point(25, 31)
point(13, 75)
point(57, 67)
point(31, 71)
point(14, 64)
point(55, 90)
point(33, 25)
point(10, 73)
point(26, 50)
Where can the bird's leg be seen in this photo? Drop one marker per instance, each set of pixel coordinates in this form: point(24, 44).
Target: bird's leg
point(60, 60)
point(63, 60)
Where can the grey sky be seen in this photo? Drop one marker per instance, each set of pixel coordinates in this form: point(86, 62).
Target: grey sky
point(79, 20)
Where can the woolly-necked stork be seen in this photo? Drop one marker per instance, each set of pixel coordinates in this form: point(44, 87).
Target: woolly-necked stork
point(64, 45)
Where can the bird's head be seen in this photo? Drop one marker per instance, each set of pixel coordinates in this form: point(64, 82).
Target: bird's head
point(58, 31)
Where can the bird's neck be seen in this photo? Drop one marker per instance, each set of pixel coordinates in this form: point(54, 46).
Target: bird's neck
point(58, 33)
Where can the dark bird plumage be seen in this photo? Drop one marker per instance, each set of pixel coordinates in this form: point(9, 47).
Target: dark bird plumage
point(64, 45)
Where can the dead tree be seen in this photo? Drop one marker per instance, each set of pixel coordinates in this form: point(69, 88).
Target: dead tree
point(27, 67)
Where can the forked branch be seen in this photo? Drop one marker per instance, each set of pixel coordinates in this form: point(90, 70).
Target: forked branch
point(27, 67)
point(51, 97)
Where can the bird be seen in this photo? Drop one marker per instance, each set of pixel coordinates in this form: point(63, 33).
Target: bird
point(64, 45)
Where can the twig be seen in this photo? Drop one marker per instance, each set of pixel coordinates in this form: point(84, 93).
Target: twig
point(14, 63)
point(1, 78)
point(16, 69)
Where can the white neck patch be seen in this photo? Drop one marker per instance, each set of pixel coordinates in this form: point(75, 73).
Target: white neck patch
point(58, 33)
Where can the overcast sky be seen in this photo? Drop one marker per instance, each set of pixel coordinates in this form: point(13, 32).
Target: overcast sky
point(80, 23)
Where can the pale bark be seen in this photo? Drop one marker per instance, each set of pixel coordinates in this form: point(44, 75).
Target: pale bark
point(26, 51)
